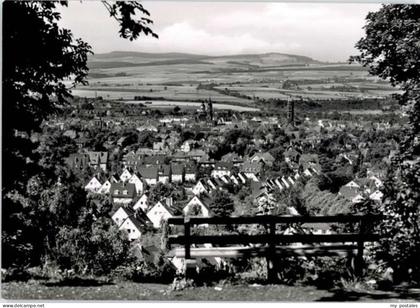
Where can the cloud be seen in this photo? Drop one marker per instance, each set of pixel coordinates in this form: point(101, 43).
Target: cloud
point(319, 30)
point(184, 37)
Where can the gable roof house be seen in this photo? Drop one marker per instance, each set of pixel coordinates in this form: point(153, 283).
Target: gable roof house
point(125, 175)
point(154, 160)
point(123, 193)
point(233, 158)
point(190, 173)
point(197, 206)
point(138, 182)
point(142, 203)
point(105, 188)
point(98, 160)
point(160, 146)
point(198, 155)
point(164, 173)
point(94, 185)
point(131, 160)
point(266, 157)
point(200, 188)
point(221, 169)
point(351, 191)
point(177, 174)
point(252, 169)
point(158, 213)
point(126, 220)
point(78, 161)
point(149, 174)
point(291, 155)
point(310, 161)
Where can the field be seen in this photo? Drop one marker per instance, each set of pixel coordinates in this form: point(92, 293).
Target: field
point(138, 291)
point(235, 79)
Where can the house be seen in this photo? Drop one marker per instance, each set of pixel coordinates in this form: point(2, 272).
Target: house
point(198, 155)
point(78, 161)
point(234, 180)
point(177, 175)
point(197, 206)
point(125, 175)
point(291, 155)
point(114, 178)
point(158, 213)
point(105, 188)
point(221, 169)
point(98, 160)
point(351, 191)
point(154, 160)
point(266, 157)
point(242, 177)
point(131, 160)
point(94, 185)
point(186, 147)
point(377, 195)
point(123, 193)
point(164, 174)
point(142, 203)
point(200, 188)
point(138, 182)
point(147, 127)
point(159, 146)
point(307, 161)
point(232, 158)
point(149, 174)
point(252, 169)
point(317, 228)
point(190, 173)
point(126, 220)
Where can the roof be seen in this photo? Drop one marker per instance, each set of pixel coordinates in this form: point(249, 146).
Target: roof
point(190, 168)
point(349, 192)
point(251, 166)
point(154, 160)
point(164, 170)
point(264, 156)
point(117, 190)
point(98, 157)
point(177, 169)
point(171, 211)
point(231, 157)
point(150, 172)
point(204, 199)
point(221, 165)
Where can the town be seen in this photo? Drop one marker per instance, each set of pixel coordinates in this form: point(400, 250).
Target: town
point(155, 164)
point(180, 151)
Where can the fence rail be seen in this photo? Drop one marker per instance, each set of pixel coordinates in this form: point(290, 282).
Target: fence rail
point(323, 242)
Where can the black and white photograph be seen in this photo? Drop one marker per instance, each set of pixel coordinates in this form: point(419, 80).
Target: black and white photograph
point(210, 151)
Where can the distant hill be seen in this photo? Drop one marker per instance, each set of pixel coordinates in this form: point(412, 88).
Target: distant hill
point(117, 59)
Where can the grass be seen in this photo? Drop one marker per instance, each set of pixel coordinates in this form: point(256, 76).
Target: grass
point(160, 292)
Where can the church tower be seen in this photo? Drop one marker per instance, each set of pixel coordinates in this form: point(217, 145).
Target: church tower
point(290, 112)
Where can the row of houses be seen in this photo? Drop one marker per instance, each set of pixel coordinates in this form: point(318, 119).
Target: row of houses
point(358, 189)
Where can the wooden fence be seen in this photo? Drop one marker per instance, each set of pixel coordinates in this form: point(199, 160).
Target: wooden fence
point(272, 244)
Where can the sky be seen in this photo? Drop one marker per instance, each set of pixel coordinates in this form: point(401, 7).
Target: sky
point(322, 31)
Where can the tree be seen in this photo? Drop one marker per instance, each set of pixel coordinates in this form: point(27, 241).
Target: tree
point(391, 50)
point(33, 90)
point(221, 203)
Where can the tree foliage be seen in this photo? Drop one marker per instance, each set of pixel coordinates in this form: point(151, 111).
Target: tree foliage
point(221, 203)
point(41, 197)
point(391, 50)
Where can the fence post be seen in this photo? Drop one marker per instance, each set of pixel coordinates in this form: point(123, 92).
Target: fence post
point(360, 247)
point(190, 264)
point(187, 232)
point(271, 254)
